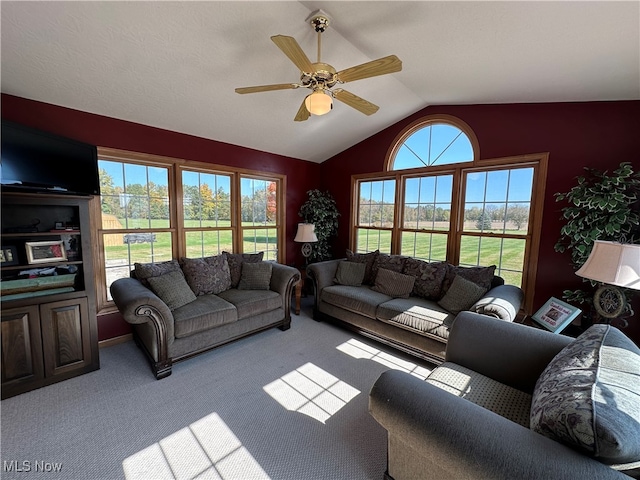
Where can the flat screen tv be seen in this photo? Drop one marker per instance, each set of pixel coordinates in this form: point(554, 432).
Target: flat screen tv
point(36, 161)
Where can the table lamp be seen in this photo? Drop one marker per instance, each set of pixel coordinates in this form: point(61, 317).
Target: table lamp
point(306, 235)
point(615, 265)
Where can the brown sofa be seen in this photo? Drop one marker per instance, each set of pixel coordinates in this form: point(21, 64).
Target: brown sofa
point(181, 309)
point(417, 323)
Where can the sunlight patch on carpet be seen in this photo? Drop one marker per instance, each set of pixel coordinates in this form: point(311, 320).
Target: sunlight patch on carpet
point(357, 349)
point(312, 391)
point(205, 449)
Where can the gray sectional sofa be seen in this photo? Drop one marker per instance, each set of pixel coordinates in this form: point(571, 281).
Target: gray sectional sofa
point(180, 309)
point(412, 305)
point(513, 401)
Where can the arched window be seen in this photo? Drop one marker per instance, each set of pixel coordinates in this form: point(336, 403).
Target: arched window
point(432, 141)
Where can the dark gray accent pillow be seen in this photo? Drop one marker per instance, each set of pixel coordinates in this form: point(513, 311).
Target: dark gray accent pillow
point(255, 276)
point(368, 259)
point(235, 261)
point(429, 277)
point(462, 294)
point(394, 263)
point(482, 276)
point(588, 396)
point(350, 273)
point(172, 288)
point(394, 284)
point(207, 275)
point(144, 271)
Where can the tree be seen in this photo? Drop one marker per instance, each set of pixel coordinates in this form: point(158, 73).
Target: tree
point(484, 221)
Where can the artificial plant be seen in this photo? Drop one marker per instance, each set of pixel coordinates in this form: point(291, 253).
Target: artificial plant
point(602, 206)
point(321, 210)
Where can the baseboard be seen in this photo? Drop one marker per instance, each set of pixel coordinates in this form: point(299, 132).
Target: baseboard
point(110, 342)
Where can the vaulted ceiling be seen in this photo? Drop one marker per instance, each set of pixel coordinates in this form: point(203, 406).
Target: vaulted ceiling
point(175, 65)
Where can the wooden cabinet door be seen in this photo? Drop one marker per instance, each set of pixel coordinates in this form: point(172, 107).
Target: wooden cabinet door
point(22, 362)
point(65, 336)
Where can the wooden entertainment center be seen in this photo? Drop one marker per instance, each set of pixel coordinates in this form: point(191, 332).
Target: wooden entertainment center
point(49, 327)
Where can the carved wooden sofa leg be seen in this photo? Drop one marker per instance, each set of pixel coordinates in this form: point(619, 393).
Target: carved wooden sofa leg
point(162, 369)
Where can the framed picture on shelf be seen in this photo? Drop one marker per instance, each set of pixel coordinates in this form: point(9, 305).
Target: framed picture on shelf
point(555, 315)
point(45, 252)
point(8, 256)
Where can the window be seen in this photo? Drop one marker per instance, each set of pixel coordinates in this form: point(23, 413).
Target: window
point(438, 201)
point(155, 209)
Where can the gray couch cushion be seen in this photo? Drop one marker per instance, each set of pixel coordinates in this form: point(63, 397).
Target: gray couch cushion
point(462, 294)
point(143, 271)
point(207, 275)
point(482, 276)
point(393, 283)
point(350, 273)
point(255, 276)
point(589, 396)
point(252, 302)
point(502, 399)
point(395, 263)
point(368, 259)
point(172, 288)
point(420, 314)
point(205, 312)
point(361, 300)
point(235, 261)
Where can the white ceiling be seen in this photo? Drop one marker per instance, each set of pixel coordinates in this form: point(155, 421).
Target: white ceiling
point(174, 65)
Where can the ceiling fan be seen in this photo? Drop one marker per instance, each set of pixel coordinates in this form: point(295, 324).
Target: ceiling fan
point(321, 77)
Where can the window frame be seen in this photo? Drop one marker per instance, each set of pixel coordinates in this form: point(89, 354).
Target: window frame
point(176, 229)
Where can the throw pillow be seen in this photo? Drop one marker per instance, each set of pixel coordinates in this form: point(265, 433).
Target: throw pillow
point(394, 284)
point(388, 262)
point(482, 276)
point(367, 259)
point(144, 271)
point(235, 261)
point(461, 295)
point(255, 276)
point(350, 273)
point(589, 396)
point(206, 275)
point(429, 277)
point(172, 288)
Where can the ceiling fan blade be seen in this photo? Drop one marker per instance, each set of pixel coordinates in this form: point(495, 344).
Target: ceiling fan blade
point(381, 66)
point(291, 49)
point(303, 114)
point(355, 101)
point(267, 88)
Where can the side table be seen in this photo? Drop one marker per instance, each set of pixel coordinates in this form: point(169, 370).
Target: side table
point(299, 287)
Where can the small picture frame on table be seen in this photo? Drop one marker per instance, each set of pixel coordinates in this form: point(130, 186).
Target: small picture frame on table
point(8, 256)
point(555, 315)
point(45, 252)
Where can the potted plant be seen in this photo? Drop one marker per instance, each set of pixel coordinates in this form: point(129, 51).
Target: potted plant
point(321, 210)
point(602, 206)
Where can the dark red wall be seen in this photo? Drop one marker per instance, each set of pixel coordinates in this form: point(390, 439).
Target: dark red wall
point(109, 132)
point(594, 134)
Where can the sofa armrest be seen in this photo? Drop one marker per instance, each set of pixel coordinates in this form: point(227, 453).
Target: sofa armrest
point(283, 281)
point(460, 440)
point(507, 352)
point(138, 304)
point(322, 275)
point(501, 302)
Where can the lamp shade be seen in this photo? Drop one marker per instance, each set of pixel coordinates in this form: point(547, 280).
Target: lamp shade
point(613, 263)
point(318, 103)
point(306, 233)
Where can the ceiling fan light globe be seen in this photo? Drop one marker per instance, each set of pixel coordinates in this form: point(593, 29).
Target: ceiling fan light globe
point(318, 103)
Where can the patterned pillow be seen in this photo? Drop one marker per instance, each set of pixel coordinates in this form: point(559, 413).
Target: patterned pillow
point(207, 275)
point(394, 284)
point(368, 259)
point(394, 263)
point(429, 277)
point(172, 288)
point(235, 261)
point(482, 276)
point(589, 396)
point(462, 294)
point(255, 276)
point(350, 273)
point(144, 271)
